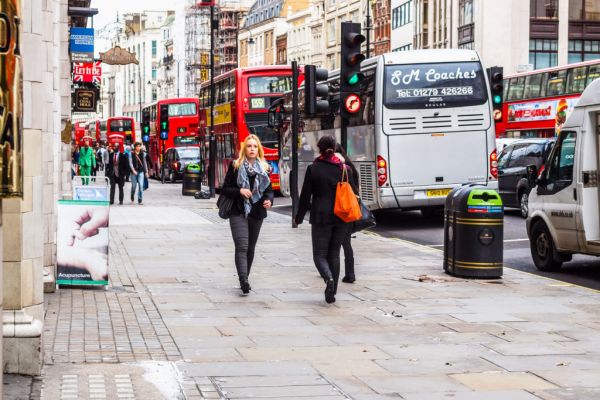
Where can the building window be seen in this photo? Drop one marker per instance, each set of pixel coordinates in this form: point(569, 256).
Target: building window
point(331, 31)
point(543, 53)
point(584, 10)
point(401, 15)
point(583, 50)
point(154, 73)
point(354, 16)
point(467, 46)
point(154, 48)
point(465, 12)
point(404, 48)
point(544, 9)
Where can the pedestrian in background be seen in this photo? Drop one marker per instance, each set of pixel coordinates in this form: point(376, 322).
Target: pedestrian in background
point(327, 230)
point(75, 161)
point(138, 166)
point(349, 276)
point(127, 152)
point(248, 184)
point(87, 161)
point(116, 169)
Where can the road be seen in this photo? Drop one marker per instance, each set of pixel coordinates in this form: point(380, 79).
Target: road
point(411, 226)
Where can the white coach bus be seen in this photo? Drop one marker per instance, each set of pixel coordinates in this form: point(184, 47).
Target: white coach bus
point(424, 127)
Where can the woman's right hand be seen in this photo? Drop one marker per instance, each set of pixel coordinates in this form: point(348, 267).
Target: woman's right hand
point(246, 193)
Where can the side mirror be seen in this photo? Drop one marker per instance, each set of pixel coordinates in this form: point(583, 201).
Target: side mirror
point(532, 174)
point(275, 114)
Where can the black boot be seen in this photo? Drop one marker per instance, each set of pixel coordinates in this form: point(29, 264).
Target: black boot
point(245, 286)
point(349, 270)
point(330, 291)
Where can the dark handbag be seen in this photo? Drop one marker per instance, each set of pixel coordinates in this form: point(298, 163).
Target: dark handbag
point(367, 219)
point(225, 205)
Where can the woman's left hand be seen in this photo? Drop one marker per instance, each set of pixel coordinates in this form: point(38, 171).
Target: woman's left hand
point(267, 204)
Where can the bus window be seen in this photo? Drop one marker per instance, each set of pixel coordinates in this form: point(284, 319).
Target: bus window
point(120, 125)
point(269, 84)
point(505, 93)
point(516, 88)
point(576, 80)
point(232, 88)
point(556, 83)
point(182, 109)
point(593, 73)
point(532, 86)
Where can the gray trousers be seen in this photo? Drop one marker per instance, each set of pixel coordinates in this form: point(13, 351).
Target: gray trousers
point(245, 233)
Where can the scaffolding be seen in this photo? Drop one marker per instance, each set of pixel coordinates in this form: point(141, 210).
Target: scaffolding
point(197, 46)
point(229, 22)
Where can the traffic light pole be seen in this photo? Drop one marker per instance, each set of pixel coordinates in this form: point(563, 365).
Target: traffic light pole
point(212, 150)
point(295, 128)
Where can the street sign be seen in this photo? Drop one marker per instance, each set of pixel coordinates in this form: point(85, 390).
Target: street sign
point(82, 44)
point(352, 103)
point(204, 59)
point(87, 72)
point(203, 74)
point(85, 100)
point(118, 56)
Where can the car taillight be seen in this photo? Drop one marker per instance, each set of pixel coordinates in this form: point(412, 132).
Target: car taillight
point(176, 166)
point(494, 164)
point(381, 171)
point(542, 168)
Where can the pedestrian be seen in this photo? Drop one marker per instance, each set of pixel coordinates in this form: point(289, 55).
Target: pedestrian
point(327, 230)
point(87, 161)
point(105, 155)
point(139, 168)
point(96, 165)
point(128, 154)
point(75, 161)
point(248, 184)
point(116, 169)
point(349, 275)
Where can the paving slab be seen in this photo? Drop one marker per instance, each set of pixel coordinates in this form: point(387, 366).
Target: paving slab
point(499, 380)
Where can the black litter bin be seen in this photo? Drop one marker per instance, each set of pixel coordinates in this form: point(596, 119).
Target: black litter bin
point(192, 180)
point(473, 233)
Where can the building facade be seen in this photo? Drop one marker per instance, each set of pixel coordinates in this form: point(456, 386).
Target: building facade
point(337, 11)
point(381, 11)
point(517, 35)
point(299, 38)
point(169, 70)
point(402, 25)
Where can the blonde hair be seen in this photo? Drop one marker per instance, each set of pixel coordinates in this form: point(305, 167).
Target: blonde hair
point(261, 153)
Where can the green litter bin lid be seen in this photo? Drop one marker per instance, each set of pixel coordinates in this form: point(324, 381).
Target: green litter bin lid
point(193, 167)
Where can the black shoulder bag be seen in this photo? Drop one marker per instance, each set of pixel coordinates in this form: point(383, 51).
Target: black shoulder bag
point(225, 205)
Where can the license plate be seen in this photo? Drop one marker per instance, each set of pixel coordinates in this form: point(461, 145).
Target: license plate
point(438, 192)
point(257, 102)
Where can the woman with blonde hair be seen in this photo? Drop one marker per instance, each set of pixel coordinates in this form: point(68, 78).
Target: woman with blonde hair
point(248, 184)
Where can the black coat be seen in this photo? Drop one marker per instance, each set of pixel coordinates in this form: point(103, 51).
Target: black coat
point(318, 192)
point(231, 189)
point(123, 165)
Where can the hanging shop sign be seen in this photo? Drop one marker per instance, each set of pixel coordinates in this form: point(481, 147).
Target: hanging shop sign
point(118, 56)
point(82, 44)
point(87, 72)
point(11, 100)
point(85, 100)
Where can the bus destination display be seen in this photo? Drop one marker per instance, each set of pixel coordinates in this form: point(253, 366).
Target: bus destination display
point(434, 85)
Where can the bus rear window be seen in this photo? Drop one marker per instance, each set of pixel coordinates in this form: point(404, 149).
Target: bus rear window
point(120, 125)
point(182, 109)
point(269, 84)
point(436, 85)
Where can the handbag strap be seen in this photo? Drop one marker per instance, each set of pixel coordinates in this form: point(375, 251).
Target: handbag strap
point(344, 175)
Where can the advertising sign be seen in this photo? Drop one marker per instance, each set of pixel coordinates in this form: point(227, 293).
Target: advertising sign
point(82, 44)
point(87, 72)
point(90, 193)
point(118, 56)
point(85, 100)
point(82, 243)
point(11, 101)
point(557, 110)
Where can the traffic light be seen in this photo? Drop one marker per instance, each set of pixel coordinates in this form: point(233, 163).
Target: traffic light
point(496, 77)
point(313, 90)
point(164, 121)
point(350, 75)
point(145, 125)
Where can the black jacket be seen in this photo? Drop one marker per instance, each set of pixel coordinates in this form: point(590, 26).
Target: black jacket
point(231, 189)
point(318, 192)
point(123, 165)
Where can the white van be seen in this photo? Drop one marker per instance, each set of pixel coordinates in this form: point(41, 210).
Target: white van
point(564, 216)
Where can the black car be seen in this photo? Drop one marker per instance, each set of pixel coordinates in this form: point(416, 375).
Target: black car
point(513, 161)
point(177, 159)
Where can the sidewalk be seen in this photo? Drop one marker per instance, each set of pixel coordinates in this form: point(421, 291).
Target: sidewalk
point(173, 325)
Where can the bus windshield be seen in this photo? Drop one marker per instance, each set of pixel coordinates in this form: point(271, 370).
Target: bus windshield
point(182, 109)
point(120, 125)
point(436, 85)
point(269, 84)
point(268, 136)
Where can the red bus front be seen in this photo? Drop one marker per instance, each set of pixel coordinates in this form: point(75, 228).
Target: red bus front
point(242, 99)
point(537, 103)
point(183, 128)
point(79, 132)
point(120, 130)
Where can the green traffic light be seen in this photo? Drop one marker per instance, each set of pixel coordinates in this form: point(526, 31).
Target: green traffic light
point(164, 125)
point(497, 99)
point(353, 80)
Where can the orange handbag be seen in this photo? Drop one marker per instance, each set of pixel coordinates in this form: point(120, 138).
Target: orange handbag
point(346, 205)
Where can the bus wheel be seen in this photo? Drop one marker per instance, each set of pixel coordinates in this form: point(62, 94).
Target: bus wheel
point(544, 254)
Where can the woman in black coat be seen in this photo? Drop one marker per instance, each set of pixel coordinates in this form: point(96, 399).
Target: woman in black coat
point(247, 183)
point(327, 230)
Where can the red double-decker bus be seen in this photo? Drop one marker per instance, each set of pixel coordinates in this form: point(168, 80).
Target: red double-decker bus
point(537, 103)
point(242, 100)
point(183, 128)
point(117, 130)
point(95, 132)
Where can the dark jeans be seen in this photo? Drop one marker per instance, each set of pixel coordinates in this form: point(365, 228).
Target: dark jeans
point(245, 233)
point(116, 182)
point(326, 242)
point(348, 255)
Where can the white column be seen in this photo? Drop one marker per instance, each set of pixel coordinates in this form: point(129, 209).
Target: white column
point(563, 32)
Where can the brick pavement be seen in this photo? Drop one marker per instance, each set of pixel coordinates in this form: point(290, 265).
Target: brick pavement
point(404, 330)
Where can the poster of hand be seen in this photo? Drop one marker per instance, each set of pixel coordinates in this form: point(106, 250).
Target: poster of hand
point(82, 243)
